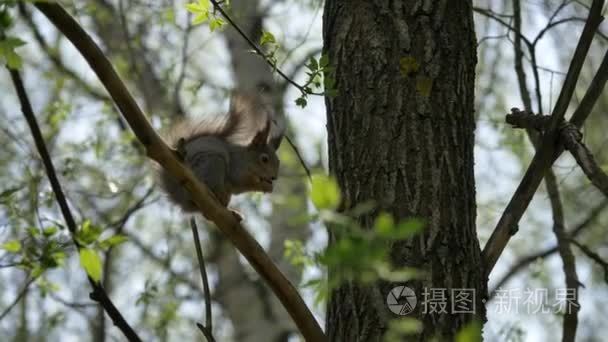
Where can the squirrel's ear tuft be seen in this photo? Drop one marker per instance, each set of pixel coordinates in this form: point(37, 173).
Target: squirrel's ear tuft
point(253, 122)
point(277, 131)
point(261, 137)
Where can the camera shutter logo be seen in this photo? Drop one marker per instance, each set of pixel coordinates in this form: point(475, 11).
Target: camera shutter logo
point(401, 300)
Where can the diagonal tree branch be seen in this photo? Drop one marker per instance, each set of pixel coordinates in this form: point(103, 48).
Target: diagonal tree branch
point(206, 329)
point(593, 256)
point(22, 292)
point(557, 211)
point(525, 261)
point(572, 140)
point(157, 150)
point(259, 51)
point(546, 154)
point(568, 260)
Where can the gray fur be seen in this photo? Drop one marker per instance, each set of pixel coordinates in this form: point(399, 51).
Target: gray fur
point(231, 154)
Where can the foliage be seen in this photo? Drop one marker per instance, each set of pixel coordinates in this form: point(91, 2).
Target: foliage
point(8, 54)
point(203, 13)
point(319, 73)
point(360, 254)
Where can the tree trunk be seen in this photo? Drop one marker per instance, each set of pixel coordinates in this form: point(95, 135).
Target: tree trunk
point(401, 133)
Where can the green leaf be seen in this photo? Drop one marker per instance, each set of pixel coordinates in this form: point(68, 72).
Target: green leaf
point(113, 241)
point(324, 193)
point(9, 191)
point(301, 102)
point(200, 10)
point(11, 42)
point(329, 82)
point(409, 227)
point(331, 92)
point(50, 231)
point(33, 231)
point(216, 23)
point(58, 258)
point(169, 15)
point(37, 271)
point(385, 227)
point(202, 6)
point(267, 38)
point(199, 19)
point(324, 61)
point(402, 327)
point(470, 333)
point(312, 64)
point(424, 85)
point(90, 261)
point(384, 224)
point(13, 246)
point(5, 19)
point(13, 60)
point(88, 233)
point(408, 65)
point(7, 51)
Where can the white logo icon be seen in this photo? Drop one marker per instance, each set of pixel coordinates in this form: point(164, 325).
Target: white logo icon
point(401, 300)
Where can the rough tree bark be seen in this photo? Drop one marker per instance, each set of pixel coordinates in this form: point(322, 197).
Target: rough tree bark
point(408, 147)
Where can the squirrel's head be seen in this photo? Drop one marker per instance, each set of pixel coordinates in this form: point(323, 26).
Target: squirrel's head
point(262, 162)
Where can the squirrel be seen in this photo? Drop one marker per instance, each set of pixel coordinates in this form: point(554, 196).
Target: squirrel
point(231, 154)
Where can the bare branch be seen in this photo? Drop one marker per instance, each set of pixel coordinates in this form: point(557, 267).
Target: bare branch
point(55, 57)
point(297, 152)
point(557, 211)
point(206, 329)
point(15, 301)
point(545, 155)
point(98, 293)
point(593, 93)
point(593, 256)
point(258, 50)
point(525, 261)
point(568, 260)
point(572, 140)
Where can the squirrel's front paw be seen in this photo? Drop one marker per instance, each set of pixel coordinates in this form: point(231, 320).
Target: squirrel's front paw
point(236, 215)
point(180, 149)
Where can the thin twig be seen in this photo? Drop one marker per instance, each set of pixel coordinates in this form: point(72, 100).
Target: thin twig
point(259, 51)
point(184, 64)
point(98, 293)
point(525, 261)
point(572, 140)
point(545, 155)
point(55, 57)
point(18, 298)
point(593, 93)
point(593, 256)
point(557, 211)
point(206, 329)
point(297, 152)
point(570, 322)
